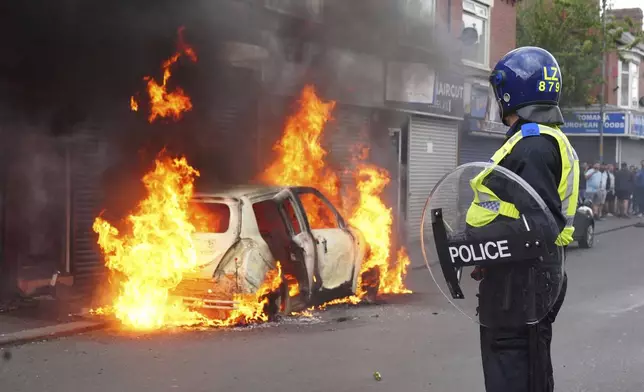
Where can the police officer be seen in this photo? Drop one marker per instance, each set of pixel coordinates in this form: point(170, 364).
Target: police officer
point(527, 84)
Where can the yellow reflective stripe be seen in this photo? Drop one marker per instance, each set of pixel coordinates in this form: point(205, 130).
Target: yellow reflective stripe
point(569, 185)
point(509, 210)
point(568, 189)
point(478, 216)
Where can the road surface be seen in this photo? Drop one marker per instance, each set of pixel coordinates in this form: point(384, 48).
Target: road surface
point(417, 344)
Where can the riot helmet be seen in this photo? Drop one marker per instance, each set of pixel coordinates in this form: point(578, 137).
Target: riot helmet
point(527, 81)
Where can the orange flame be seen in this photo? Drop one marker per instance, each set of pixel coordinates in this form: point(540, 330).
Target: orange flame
point(158, 249)
point(163, 103)
point(301, 162)
point(301, 156)
point(374, 219)
point(134, 105)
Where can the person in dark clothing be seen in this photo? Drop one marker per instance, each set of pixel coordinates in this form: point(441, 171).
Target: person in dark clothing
point(639, 190)
point(517, 358)
point(624, 186)
point(609, 204)
point(582, 180)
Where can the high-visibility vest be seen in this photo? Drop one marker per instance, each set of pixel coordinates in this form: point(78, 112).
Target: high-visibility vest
point(487, 206)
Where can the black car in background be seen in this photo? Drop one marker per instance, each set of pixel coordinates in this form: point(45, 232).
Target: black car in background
point(584, 224)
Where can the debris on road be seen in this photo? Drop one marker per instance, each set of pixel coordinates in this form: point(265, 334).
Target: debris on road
point(377, 376)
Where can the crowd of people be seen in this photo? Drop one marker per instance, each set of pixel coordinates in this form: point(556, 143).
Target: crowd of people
point(613, 189)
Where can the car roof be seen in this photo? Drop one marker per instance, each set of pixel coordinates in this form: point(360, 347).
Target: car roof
point(240, 191)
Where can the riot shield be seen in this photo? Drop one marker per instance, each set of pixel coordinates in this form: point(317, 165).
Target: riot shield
point(492, 256)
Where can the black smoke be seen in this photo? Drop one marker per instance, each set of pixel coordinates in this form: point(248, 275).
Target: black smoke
point(69, 67)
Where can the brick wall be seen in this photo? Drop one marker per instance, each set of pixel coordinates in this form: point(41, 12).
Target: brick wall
point(456, 8)
point(635, 14)
point(503, 37)
point(612, 75)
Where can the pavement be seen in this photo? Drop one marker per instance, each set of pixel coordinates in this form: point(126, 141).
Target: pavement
point(416, 342)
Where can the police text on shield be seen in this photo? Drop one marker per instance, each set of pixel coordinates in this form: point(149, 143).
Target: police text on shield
point(490, 250)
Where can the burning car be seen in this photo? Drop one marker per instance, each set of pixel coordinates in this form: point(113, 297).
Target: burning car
point(250, 229)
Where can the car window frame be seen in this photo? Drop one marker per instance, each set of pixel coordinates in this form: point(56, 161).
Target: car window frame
point(297, 191)
point(275, 204)
point(285, 217)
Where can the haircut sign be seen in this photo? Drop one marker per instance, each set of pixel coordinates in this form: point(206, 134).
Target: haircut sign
point(550, 81)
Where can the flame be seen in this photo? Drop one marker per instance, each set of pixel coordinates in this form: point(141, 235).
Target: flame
point(300, 161)
point(374, 219)
point(134, 105)
point(301, 156)
point(293, 286)
point(163, 103)
point(158, 249)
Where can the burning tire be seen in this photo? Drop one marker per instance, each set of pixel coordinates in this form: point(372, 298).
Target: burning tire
point(370, 282)
point(279, 302)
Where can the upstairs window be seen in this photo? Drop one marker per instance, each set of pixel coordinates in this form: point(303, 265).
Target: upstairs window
point(477, 16)
point(628, 85)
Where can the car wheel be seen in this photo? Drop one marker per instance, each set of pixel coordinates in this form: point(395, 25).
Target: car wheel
point(588, 240)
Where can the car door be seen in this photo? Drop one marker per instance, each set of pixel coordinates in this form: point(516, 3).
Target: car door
point(301, 248)
point(335, 246)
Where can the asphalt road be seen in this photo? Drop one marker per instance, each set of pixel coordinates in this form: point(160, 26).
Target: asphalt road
point(417, 344)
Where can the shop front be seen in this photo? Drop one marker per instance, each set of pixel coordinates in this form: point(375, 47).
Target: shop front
point(632, 148)
point(480, 136)
point(582, 129)
point(433, 104)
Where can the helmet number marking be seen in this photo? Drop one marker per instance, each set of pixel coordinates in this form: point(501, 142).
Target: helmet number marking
point(548, 86)
point(550, 80)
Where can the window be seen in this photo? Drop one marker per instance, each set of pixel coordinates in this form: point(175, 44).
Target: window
point(210, 217)
point(318, 212)
point(292, 216)
point(624, 81)
point(476, 16)
point(628, 84)
point(635, 83)
point(419, 18)
point(269, 220)
point(301, 8)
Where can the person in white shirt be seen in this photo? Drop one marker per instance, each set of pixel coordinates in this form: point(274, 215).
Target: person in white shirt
point(596, 179)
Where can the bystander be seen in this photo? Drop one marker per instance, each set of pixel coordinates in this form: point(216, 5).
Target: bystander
point(596, 188)
point(609, 205)
point(624, 185)
point(639, 190)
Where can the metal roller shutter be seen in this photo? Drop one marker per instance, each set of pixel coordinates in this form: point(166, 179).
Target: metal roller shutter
point(632, 151)
point(348, 129)
point(477, 148)
point(432, 153)
point(587, 148)
point(86, 171)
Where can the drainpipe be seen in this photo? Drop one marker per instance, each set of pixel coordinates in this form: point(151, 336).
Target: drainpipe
point(603, 85)
point(68, 206)
point(449, 16)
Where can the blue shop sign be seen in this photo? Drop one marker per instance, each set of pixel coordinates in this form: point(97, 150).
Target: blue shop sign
point(637, 125)
point(587, 123)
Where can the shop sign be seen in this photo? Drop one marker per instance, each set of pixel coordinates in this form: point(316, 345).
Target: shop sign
point(637, 125)
point(416, 86)
point(448, 94)
point(587, 123)
point(410, 83)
